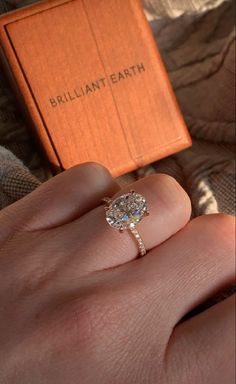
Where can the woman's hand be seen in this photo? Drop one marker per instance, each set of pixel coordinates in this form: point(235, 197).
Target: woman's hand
point(78, 307)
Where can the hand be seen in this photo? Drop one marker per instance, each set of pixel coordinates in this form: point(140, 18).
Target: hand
point(78, 307)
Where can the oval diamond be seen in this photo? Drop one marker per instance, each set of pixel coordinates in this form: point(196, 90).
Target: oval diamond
point(126, 210)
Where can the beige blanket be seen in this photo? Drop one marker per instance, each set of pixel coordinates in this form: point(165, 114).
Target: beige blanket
point(196, 39)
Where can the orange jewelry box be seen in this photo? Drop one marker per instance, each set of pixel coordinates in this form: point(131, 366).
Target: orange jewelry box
point(92, 82)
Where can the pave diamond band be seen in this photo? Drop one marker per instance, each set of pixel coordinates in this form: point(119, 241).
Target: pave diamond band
point(125, 212)
point(142, 249)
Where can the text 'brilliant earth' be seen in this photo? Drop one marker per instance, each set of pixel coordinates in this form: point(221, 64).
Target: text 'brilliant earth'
point(126, 211)
point(97, 85)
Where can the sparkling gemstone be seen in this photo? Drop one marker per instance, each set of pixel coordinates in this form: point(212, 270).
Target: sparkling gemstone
point(126, 211)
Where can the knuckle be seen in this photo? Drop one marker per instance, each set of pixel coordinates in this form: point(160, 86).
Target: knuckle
point(216, 235)
point(226, 223)
point(89, 166)
point(218, 227)
point(171, 195)
point(158, 178)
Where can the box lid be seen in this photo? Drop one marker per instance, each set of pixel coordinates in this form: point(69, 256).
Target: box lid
point(93, 83)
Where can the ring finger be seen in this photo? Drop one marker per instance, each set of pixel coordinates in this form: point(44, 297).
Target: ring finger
point(97, 246)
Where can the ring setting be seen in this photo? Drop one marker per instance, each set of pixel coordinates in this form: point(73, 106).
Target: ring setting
point(125, 212)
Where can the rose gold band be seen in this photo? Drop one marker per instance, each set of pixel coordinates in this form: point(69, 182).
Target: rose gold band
point(138, 238)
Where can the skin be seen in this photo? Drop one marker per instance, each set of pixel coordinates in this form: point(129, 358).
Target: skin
point(78, 306)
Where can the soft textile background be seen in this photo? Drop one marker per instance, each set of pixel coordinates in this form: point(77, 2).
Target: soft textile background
point(196, 39)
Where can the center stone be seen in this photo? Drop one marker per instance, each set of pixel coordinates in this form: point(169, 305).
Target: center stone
point(126, 210)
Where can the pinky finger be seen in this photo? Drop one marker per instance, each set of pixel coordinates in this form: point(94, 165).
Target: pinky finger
point(202, 350)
